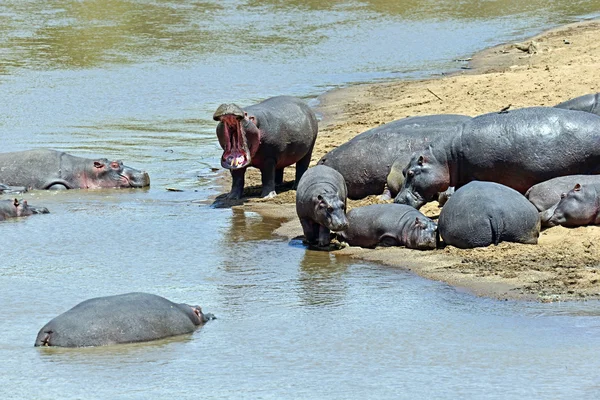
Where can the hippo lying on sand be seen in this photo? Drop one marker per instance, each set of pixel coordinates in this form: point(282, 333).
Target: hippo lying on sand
point(321, 204)
point(15, 208)
point(483, 213)
point(588, 103)
point(546, 194)
point(578, 207)
point(365, 160)
point(51, 169)
point(389, 225)
point(269, 136)
point(126, 318)
point(518, 149)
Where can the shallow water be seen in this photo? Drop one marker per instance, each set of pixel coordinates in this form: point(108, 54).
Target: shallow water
point(139, 81)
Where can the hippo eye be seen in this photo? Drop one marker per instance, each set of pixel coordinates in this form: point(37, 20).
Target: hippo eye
point(330, 209)
point(115, 165)
point(411, 173)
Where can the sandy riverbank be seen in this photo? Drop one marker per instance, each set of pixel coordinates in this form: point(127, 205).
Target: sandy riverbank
point(563, 266)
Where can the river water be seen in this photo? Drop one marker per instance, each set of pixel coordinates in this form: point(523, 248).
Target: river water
point(139, 81)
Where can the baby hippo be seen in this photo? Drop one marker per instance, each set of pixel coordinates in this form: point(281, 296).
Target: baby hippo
point(16, 208)
point(389, 225)
point(580, 206)
point(481, 213)
point(321, 204)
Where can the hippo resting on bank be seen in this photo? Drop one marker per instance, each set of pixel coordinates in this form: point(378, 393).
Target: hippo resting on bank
point(270, 136)
point(389, 225)
point(518, 149)
point(125, 318)
point(365, 160)
point(321, 204)
point(15, 208)
point(483, 213)
point(578, 207)
point(546, 194)
point(51, 169)
point(588, 103)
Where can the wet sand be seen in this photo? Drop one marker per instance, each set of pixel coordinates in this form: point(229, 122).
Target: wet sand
point(564, 64)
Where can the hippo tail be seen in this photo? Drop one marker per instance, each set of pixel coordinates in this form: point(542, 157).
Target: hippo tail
point(496, 229)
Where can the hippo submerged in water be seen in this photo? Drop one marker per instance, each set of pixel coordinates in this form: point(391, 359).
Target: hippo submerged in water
point(15, 208)
point(366, 160)
point(483, 213)
point(51, 169)
point(270, 136)
point(518, 149)
point(125, 318)
point(321, 204)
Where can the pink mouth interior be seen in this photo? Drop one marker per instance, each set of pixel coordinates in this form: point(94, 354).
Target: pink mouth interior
point(234, 156)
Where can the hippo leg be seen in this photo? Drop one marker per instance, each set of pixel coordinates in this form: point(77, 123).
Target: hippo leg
point(302, 166)
point(268, 179)
point(279, 176)
point(324, 236)
point(388, 241)
point(310, 234)
point(237, 183)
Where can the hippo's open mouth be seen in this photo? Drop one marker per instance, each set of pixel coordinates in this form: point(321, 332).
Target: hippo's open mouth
point(236, 154)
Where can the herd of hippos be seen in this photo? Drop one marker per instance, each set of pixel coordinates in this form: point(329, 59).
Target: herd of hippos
point(499, 177)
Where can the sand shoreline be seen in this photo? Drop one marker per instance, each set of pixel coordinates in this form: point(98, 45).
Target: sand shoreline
point(563, 266)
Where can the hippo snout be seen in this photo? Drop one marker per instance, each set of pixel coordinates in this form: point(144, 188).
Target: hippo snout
point(137, 179)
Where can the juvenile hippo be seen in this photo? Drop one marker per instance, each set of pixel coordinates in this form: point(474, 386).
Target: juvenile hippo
point(578, 207)
point(125, 318)
point(389, 225)
point(321, 204)
point(518, 149)
point(51, 169)
point(483, 213)
point(588, 103)
point(546, 194)
point(15, 208)
point(366, 159)
point(270, 136)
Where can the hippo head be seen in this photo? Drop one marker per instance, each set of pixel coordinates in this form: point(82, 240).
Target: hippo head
point(580, 206)
point(103, 173)
point(330, 211)
point(238, 136)
point(423, 234)
point(424, 179)
point(197, 316)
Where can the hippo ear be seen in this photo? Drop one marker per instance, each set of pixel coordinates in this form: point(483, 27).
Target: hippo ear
point(421, 160)
point(418, 221)
point(577, 187)
point(563, 195)
point(16, 203)
point(98, 164)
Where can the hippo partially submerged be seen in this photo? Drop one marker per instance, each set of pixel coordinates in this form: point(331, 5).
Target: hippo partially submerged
point(270, 136)
point(125, 318)
point(321, 204)
point(18, 208)
point(483, 213)
point(389, 225)
point(546, 194)
point(578, 207)
point(518, 149)
point(366, 160)
point(588, 103)
point(51, 169)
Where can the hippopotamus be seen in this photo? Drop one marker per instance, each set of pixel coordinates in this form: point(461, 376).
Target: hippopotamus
point(125, 318)
point(389, 225)
point(546, 194)
point(51, 169)
point(588, 103)
point(579, 206)
point(517, 148)
point(270, 136)
point(321, 204)
point(366, 159)
point(15, 208)
point(4, 189)
point(483, 213)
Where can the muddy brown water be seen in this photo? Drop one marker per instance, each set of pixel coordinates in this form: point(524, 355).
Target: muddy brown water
point(139, 81)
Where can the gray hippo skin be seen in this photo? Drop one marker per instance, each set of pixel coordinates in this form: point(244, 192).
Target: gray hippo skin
point(588, 103)
point(321, 204)
point(546, 194)
point(51, 169)
point(578, 207)
point(389, 225)
point(518, 149)
point(483, 213)
point(125, 318)
point(15, 208)
point(270, 136)
point(365, 160)
point(5, 189)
